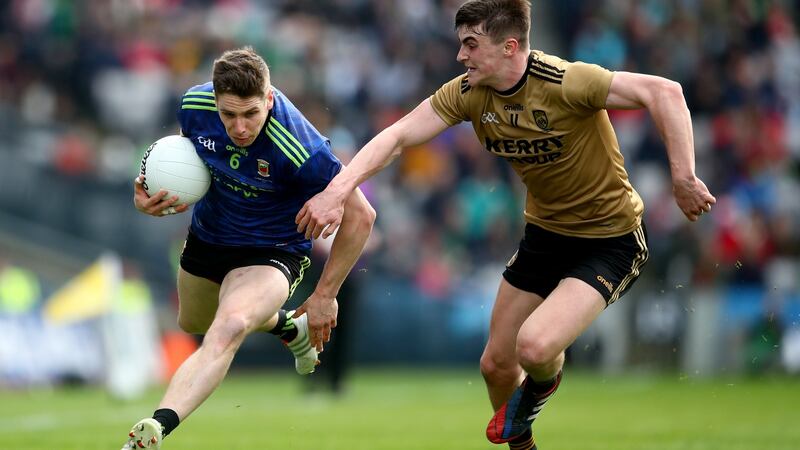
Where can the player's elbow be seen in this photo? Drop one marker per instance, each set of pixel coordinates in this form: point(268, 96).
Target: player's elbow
point(668, 91)
point(359, 216)
point(367, 216)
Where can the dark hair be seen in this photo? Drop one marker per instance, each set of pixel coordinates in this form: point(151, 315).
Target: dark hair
point(240, 72)
point(500, 18)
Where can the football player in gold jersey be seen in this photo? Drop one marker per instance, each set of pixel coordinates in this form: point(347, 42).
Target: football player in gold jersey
point(584, 241)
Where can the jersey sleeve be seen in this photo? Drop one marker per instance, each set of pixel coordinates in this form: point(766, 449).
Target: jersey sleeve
point(449, 101)
point(317, 171)
point(585, 86)
point(197, 100)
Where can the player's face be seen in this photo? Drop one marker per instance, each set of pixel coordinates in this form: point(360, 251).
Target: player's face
point(243, 117)
point(481, 57)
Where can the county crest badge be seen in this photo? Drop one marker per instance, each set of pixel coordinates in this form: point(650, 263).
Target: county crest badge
point(540, 117)
point(263, 168)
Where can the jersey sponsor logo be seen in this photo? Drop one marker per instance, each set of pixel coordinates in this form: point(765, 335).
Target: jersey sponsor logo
point(536, 151)
point(489, 117)
point(540, 117)
point(207, 143)
point(605, 283)
point(263, 168)
point(514, 119)
point(245, 191)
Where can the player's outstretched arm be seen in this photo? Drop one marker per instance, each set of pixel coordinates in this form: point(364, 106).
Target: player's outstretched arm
point(158, 205)
point(321, 306)
point(322, 214)
point(664, 100)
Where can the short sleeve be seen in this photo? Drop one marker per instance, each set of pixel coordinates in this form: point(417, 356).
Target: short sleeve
point(585, 86)
point(318, 170)
point(449, 101)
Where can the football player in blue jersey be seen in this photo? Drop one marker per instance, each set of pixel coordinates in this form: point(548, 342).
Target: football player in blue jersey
point(243, 255)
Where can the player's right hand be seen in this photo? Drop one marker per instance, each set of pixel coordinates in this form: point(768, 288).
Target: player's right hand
point(158, 205)
point(321, 215)
point(692, 197)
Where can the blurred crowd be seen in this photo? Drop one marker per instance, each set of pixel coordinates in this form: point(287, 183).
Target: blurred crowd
point(85, 86)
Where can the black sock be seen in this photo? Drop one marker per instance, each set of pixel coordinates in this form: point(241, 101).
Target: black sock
point(544, 387)
point(522, 442)
point(285, 328)
point(168, 419)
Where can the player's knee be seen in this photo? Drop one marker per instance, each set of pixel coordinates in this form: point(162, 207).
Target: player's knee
point(228, 331)
point(536, 352)
point(497, 369)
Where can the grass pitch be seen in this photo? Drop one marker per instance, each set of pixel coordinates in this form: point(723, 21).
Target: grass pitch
point(409, 409)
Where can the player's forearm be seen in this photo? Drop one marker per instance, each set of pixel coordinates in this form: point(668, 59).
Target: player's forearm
point(371, 159)
point(674, 122)
point(347, 246)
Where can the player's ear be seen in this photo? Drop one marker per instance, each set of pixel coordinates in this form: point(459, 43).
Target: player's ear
point(270, 99)
point(510, 47)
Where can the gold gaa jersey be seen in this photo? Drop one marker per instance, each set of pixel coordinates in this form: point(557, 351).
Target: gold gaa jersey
point(553, 129)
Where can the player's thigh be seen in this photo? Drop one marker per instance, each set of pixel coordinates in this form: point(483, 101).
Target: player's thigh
point(198, 299)
point(562, 317)
point(511, 308)
point(252, 295)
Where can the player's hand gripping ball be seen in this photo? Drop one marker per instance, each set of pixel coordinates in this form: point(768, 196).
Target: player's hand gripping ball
point(171, 163)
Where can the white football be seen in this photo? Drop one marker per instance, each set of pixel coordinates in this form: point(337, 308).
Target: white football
point(171, 163)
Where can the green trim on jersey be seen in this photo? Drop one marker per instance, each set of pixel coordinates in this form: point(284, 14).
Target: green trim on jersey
point(203, 93)
point(208, 108)
point(197, 100)
point(288, 144)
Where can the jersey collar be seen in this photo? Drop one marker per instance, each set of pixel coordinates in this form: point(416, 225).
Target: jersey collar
point(513, 89)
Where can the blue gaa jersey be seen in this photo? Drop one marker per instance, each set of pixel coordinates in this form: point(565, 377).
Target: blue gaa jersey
point(256, 191)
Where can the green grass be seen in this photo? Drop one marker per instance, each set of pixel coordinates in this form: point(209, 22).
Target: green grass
point(422, 409)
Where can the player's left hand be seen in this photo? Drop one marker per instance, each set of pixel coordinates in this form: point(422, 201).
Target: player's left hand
point(693, 197)
point(322, 313)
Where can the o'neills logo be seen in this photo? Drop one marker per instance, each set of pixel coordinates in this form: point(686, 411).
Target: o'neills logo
point(514, 107)
point(605, 283)
point(143, 165)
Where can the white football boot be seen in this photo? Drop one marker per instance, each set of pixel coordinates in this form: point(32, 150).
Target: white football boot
point(305, 356)
point(147, 433)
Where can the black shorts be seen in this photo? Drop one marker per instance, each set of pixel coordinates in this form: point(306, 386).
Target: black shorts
point(610, 265)
point(213, 262)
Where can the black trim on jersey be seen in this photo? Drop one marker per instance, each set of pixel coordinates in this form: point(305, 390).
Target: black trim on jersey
point(542, 77)
point(465, 85)
point(544, 66)
point(544, 71)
